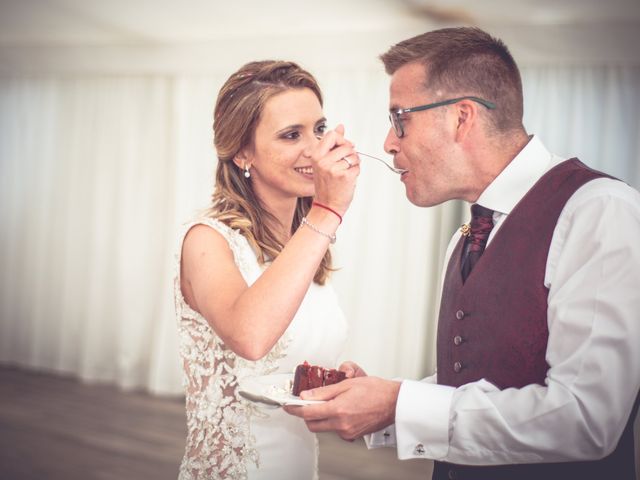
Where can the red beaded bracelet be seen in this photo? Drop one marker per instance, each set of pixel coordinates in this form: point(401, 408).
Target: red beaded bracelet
point(328, 208)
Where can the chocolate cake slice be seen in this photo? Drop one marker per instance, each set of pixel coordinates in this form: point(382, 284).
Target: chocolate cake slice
point(311, 376)
point(332, 376)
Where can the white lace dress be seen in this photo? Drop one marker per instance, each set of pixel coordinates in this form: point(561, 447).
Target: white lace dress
point(229, 437)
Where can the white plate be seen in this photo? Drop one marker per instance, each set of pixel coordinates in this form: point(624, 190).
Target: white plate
point(271, 389)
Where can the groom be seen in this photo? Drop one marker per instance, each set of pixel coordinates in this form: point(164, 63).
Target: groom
point(538, 358)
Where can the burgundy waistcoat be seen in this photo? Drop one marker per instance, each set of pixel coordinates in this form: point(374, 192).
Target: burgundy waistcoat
point(494, 326)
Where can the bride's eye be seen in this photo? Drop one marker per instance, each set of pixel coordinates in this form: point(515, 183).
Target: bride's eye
point(293, 135)
point(320, 130)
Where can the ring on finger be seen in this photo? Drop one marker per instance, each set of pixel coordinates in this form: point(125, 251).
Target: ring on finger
point(348, 162)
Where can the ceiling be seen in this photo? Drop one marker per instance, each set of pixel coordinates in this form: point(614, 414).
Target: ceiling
point(145, 22)
point(204, 36)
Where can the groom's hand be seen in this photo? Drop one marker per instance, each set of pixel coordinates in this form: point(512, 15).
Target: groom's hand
point(352, 370)
point(354, 407)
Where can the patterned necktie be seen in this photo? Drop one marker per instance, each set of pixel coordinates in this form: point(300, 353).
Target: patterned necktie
point(476, 241)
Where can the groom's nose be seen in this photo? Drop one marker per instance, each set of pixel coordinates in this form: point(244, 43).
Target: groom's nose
point(391, 143)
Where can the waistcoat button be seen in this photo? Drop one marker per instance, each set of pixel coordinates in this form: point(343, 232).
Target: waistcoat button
point(459, 314)
point(457, 340)
point(457, 367)
point(452, 474)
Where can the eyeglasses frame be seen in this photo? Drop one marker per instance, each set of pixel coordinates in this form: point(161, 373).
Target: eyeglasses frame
point(394, 116)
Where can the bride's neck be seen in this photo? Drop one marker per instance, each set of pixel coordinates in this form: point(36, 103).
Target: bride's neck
point(283, 214)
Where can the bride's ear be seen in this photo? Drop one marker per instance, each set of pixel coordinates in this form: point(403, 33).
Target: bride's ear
point(241, 160)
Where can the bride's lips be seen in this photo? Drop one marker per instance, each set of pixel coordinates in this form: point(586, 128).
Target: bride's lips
point(304, 170)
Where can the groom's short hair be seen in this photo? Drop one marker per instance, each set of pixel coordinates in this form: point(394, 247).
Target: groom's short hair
point(465, 61)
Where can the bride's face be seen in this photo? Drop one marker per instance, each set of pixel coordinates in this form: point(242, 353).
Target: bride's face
point(290, 125)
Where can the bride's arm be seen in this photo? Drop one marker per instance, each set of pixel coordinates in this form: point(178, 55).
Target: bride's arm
point(250, 320)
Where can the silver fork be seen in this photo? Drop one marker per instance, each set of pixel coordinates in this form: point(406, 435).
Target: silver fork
point(399, 171)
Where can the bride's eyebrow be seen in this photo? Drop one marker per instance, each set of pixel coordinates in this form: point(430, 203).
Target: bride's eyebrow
point(289, 127)
point(296, 126)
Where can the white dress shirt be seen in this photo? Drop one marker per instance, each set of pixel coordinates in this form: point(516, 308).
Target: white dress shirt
point(593, 315)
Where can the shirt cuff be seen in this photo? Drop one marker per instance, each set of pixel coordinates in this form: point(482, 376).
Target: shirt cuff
point(382, 438)
point(422, 420)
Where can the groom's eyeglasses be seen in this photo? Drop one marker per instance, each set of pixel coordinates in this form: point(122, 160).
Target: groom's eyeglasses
point(396, 122)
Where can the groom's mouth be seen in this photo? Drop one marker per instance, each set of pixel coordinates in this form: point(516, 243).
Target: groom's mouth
point(401, 168)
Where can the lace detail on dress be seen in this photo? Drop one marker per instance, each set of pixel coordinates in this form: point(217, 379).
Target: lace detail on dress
point(219, 441)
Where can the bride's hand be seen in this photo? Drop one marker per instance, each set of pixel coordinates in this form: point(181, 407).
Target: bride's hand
point(352, 370)
point(335, 169)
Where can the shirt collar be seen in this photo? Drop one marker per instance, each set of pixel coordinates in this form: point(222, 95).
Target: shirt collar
point(517, 178)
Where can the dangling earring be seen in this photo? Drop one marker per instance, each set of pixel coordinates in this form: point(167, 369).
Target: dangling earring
point(247, 173)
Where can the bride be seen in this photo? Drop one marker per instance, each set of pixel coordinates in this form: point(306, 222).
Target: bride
point(252, 290)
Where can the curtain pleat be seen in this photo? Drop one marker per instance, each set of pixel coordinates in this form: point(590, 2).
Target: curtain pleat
point(98, 172)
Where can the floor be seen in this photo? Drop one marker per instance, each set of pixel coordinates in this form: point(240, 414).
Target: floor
point(54, 428)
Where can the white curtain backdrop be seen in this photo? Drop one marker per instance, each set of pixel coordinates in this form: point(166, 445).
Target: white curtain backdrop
point(98, 171)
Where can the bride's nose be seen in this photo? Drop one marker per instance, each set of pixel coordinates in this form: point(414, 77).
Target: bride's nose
point(306, 152)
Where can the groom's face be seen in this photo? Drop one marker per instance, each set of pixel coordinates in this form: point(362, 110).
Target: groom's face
point(427, 148)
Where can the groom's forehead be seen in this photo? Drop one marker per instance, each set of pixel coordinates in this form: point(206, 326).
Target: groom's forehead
point(407, 85)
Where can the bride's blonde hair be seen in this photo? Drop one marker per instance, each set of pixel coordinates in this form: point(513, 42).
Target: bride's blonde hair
point(237, 113)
